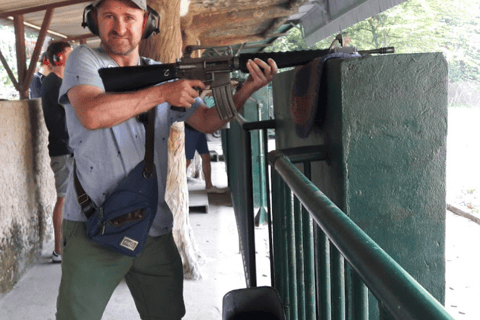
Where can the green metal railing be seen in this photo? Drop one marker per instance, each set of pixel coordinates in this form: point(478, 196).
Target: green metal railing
point(324, 263)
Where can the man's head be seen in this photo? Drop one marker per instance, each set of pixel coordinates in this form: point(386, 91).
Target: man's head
point(43, 61)
point(121, 24)
point(152, 17)
point(44, 66)
point(57, 53)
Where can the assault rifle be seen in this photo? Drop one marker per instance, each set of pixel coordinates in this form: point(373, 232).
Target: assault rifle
point(214, 71)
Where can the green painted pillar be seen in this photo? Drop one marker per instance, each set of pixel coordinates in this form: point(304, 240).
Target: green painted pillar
point(385, 127)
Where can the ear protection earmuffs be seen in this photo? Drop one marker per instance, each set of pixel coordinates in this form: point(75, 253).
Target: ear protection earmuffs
point(56, 59)
point(153, 21)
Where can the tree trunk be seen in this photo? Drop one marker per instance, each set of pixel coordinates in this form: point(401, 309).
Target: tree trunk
point(167, 47)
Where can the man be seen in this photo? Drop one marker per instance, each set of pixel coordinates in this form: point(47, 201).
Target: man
point(61, 154)
point(43, 71)
point(108, 141)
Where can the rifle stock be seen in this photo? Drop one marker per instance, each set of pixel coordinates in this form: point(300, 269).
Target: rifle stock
point(123, 79)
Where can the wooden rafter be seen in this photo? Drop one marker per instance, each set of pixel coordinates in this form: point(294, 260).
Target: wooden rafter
point(21, 55)
point(13, 13)
point(38, 45)
point(9, 71)
point(81, 38)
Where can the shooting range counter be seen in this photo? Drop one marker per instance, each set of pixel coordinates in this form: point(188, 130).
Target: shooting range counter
point(385, 127)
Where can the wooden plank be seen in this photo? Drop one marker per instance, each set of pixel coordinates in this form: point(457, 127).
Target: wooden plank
point(9, 71)
point(13, 13)
point(82, 38)
point(21, 55)
point(38, 46)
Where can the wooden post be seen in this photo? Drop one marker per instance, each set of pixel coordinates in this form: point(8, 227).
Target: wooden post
point(38, 46)
point(167, 47)
point(21, 55)
point(9, 71)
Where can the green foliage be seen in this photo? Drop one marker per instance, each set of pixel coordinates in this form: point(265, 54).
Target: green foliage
point(451, 27)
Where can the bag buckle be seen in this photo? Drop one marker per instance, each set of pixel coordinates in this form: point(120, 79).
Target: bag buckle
point(83, 198)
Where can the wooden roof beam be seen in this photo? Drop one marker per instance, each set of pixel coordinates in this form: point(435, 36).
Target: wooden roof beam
point(38, 46)
point(9, 71)
point(81, 38)
point(21, 55)
point(4, 15)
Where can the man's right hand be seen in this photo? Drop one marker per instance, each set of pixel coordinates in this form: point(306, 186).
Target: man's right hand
point(181, 93)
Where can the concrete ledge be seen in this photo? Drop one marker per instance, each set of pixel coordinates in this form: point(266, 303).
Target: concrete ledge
point(27, 192)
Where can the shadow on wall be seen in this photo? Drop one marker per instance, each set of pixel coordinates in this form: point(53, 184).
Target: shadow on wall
point(27, 189)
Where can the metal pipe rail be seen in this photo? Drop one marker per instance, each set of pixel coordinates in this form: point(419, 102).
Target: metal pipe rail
point(398, 293)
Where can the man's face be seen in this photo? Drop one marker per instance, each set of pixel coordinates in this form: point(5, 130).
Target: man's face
point(120, 25)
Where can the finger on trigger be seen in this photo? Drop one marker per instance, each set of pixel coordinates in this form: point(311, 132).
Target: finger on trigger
point(199, 84)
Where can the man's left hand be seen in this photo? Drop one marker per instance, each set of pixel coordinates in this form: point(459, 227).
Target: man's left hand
point(261, 73)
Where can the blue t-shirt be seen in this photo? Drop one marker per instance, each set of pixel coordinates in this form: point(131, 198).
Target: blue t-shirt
point(105, 156)
point(36, 85)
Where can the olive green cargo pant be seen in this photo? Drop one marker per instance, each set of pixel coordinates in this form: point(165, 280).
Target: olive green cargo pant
point(91, 272)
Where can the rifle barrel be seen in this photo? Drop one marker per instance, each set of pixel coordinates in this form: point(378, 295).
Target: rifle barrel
point(378, 51)
point(297, 58)
point(283, 59)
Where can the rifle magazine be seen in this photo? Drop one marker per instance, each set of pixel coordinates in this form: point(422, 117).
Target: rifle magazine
point(224, 102)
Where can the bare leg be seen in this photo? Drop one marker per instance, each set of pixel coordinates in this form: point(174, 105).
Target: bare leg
point(207, 170)
point(57, 224)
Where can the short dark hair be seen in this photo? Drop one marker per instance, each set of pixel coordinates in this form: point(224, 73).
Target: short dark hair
point(54, 49)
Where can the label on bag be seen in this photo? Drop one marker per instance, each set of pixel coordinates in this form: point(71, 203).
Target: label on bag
point(129, 243)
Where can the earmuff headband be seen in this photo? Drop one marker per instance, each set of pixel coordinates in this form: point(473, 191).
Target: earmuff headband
point(153, 22)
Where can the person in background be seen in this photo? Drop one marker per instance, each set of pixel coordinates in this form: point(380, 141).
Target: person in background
point(197, 141)
point(43, 70)
point(61, 154)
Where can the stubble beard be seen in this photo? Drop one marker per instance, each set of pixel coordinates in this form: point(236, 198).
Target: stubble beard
point(120, 49)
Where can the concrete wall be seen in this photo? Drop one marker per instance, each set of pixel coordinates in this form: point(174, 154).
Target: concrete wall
point(27, 188)
point(385, 127)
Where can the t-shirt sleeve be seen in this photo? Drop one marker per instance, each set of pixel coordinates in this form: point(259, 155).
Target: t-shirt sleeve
point(81, 69)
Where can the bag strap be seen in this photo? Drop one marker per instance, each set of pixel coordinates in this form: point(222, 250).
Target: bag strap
point(87, 205)
point(149, 144)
